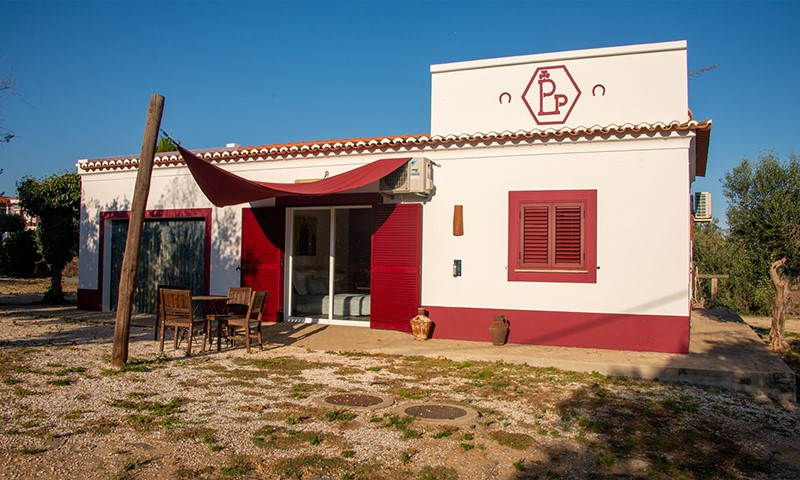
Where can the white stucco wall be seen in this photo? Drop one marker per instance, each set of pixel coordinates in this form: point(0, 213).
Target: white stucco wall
point(642, 226)
point(636, 84)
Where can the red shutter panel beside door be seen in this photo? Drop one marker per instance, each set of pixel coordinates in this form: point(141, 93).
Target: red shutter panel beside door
point(568, 235)
point(262, 256)
point(396, 259)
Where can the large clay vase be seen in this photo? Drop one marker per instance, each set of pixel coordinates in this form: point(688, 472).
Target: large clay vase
point(499, 330)
point(421, 325)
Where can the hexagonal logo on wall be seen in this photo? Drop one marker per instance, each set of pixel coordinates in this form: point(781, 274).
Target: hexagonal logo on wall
point(551, 95)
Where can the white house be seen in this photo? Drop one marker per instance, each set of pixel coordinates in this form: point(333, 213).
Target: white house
point(572, 171)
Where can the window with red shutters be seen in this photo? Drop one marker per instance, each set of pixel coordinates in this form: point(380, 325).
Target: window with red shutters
point(553, 236)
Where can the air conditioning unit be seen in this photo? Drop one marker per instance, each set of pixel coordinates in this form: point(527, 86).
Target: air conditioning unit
point(414, 177)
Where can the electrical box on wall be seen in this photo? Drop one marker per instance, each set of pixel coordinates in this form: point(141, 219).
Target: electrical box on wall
point(456, 268)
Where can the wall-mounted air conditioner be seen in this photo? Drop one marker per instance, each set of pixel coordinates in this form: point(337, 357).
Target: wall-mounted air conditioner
point(415, 177)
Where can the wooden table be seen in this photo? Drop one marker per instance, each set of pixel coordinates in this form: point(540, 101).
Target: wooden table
point(213, 309)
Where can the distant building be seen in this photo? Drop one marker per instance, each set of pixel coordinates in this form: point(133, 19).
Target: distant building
point(10, 206)
point(702, 206)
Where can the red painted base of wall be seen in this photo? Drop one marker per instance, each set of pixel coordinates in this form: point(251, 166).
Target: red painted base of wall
point(89, 299)
point(612, 331)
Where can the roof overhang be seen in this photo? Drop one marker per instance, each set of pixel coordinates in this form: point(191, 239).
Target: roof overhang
point(702, 140)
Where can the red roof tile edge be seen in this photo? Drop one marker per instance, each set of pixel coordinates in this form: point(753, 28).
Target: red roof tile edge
point(358, 144)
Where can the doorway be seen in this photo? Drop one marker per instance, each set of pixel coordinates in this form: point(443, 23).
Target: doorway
point(329, 251)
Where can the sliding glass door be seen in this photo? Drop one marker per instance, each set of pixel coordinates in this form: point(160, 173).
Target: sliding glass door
point(329, 264)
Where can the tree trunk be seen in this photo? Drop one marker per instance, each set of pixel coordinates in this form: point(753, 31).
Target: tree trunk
point(55, 294)
point(777, 342)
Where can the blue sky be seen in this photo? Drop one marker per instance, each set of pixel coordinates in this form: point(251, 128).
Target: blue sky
point(274, 72)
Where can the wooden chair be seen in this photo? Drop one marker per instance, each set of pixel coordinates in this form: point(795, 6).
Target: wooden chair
point(160, 287)
point(238, 301)
point(245, 325)
point(176, 311)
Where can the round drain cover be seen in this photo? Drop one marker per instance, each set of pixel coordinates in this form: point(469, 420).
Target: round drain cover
point(436, 412)
point(354, 400)
point(357, 400)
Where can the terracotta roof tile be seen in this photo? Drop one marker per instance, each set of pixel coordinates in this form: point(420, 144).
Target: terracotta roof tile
point(354, 145)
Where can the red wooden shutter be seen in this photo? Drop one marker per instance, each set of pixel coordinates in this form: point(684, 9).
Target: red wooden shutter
point(568, 249)
point(262, 256)
point(535, 235)
point(396, 258)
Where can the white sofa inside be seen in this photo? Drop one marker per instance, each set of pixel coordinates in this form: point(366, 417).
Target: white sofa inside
point(310, 297)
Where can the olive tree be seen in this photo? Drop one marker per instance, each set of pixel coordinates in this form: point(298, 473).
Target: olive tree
point(55, 200)
point(764, 217)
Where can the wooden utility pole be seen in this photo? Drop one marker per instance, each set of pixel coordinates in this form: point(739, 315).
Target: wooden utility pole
point(130, 259)
point(714, 285)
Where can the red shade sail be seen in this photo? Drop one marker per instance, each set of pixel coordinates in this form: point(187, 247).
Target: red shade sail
point(224, 188)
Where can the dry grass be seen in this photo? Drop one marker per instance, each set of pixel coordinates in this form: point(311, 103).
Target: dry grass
point(233, 415)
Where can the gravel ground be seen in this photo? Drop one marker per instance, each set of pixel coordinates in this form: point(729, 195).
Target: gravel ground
point(67, 414)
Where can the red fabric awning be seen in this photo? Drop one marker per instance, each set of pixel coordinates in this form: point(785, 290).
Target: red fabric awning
point(224, 188)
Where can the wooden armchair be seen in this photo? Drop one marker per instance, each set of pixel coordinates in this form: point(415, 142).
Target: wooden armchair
point(176, 311)
point(246, 325)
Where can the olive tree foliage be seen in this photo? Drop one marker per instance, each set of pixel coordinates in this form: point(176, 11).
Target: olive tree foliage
point(764, 221)
point(56, 201)
point(716, 252)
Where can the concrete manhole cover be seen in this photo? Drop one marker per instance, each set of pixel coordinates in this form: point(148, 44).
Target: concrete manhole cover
point(365, 401)
point(439, 413)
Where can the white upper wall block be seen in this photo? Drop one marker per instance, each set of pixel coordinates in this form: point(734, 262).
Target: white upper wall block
point(605, 86)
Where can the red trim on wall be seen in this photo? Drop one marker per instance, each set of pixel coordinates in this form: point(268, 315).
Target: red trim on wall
point(586, 197)
point(204, 213)
point(90, 299)
point(612, 331)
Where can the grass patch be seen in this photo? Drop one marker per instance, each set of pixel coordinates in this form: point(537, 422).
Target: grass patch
point(407, 455)
point(101, 426)
point(312, 466)
point(202, 434)
point(437, 473)
point(414, 394)
point(517, 441)
point(23, 392)
point(60, 382)
point(397, 422)
point(31, 450)
point(273, 437)
point(157, 409)
point(132, 366)
point(339, 415)
point(294, 419)
point(237, 466)
point(444, 432)
point(65, 371)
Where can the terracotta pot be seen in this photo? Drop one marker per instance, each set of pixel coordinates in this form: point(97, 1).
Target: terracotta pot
point(499, 330)
point(421, 325)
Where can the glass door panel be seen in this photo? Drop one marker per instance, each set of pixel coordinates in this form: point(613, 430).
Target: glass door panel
point(311, 260)
point(352, 233)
